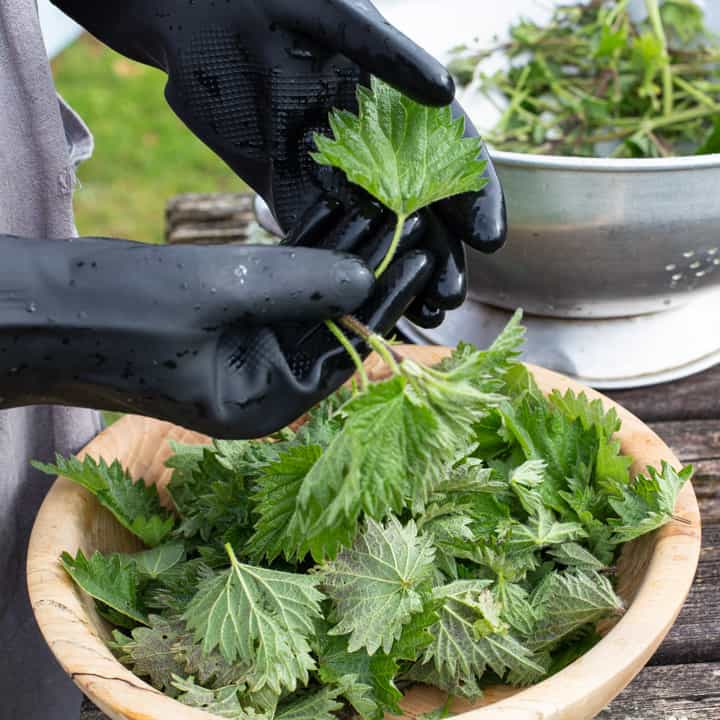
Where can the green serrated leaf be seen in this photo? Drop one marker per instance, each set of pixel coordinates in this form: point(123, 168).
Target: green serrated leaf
point(159, 560)
point(151, 652)
point(320, 705)
point(376, 585)
point(406, 155)
point(384, 450)
point(276, 500)
point(380, 671)
point(136, 506)
point(471, 636)
point(565, 602)
point(573, 555)
point(649, 503)
point(218, 502)
point(498, 358)
point(591, 413)
point(261, 617)
point(225, 702)
point(544, 530)
point(516, 609)
point(113, 580)
point(526, 482)
point(545, 434)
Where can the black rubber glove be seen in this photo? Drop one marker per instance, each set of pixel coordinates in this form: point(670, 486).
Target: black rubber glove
point(227, 340)
point(254, 81)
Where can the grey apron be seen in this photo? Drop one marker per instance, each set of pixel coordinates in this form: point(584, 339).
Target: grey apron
point(41, 141)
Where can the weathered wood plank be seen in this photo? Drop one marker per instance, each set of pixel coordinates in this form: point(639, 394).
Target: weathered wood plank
point(670, 692)
point(707, 489)
point(691, 439)
point(693, 398)
point(215, 218)
point(695, 636)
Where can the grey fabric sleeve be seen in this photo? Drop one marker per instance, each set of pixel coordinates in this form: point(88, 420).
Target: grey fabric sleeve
point(41, 143)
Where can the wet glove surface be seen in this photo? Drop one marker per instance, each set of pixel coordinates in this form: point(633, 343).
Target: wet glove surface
point(226, 340)
point(255, 80)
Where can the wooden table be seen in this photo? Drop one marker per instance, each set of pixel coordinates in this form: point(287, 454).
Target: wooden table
point(682, 680)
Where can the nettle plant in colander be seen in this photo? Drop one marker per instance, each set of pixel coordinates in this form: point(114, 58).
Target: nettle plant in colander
point(450, 525)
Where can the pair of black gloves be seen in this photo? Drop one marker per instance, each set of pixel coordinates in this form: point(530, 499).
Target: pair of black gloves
point(230, 340)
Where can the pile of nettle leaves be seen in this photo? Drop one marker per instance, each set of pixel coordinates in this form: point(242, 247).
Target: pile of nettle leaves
point(450, 526)
point(593, 80)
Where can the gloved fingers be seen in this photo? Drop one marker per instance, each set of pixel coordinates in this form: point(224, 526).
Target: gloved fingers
point(448, 287)
point(358, 31)
point(395, 291)
point(338, 224)
point(266, 378)
point(365, 230)
point(425, 315)
point(479, 219)
point(316, 223)
point(308, 351)
point(374, 251)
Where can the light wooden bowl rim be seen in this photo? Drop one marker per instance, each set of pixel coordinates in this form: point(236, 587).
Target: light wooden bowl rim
point(71, 628)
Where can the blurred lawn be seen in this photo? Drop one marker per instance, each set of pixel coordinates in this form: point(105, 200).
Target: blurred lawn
point(144, 154)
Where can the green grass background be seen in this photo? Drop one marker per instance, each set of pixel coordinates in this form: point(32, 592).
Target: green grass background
point(144, 155)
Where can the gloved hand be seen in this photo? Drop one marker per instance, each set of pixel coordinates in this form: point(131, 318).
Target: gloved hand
point(254, 81)
point(226, 340)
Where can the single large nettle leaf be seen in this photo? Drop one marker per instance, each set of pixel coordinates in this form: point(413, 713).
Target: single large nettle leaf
point(259, 616)
point(565, 602)
point(136, 506)
point(377, 585)
point(166, 648)
point(112, 580)
point(405, 154)
point(649, 503)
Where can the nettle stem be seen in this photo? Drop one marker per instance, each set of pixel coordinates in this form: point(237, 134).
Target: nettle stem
point(351, 351)
point(394, 245)
point(653, 11)
point(375, 341)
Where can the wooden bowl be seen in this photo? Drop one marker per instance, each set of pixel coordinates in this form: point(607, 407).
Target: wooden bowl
point(655, 575)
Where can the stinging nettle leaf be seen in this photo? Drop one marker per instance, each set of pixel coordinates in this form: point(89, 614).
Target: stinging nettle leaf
point(575, 556)
point(136, 506)
point(649, 503)
point(375, 675)
point(225, 702)
point(151, 652)
point(385, 450)
point(566, 602)
point(516, 608)
point(113, 580)
point(406, 155)
point(320, 705)
point(262, 617)
point(543, 530)
point(376, 585)
point(157, 561)
point(471, 636)
point(276, 501)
